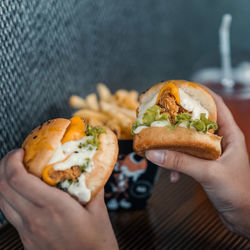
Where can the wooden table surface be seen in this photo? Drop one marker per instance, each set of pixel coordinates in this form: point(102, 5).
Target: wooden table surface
point(177, 216)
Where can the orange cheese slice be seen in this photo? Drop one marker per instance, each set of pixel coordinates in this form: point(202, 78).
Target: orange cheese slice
point(75, 130)
point(46, 172)
point(46, 175)
point(173, 89)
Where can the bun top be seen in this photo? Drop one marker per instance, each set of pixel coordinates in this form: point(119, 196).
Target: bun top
point(41, 143)
point(194, 90)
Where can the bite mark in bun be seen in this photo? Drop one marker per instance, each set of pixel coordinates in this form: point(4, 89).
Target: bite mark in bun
point(74, 156)
point(177, 115)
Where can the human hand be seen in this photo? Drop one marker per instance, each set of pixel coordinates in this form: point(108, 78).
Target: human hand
point(48, 218)
point(225, 180)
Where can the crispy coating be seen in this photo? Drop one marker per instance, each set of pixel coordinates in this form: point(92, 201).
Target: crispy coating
point(72, 173)
point(168, 104)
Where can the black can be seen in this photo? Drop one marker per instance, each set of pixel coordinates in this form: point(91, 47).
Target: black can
point(132, 180)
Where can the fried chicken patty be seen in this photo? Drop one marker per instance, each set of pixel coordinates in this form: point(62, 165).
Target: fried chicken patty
point(72, 173)
point(169, 105)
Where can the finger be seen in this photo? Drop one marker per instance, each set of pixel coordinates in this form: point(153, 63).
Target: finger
point(192, 166)
point(15, 200)
point(11, 214)
point(232, 135)
point(8, 195)
point(226, 122)
point(28, 186)
point(174, 176)
point(97, 203)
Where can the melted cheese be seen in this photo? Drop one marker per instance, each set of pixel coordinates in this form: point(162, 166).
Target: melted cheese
point(75, 130)
point(173, 89)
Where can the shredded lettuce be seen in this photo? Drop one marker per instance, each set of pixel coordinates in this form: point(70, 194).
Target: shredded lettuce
point(183, 118)
point(151, 115)
point(95, 132)
point(202, 124)
point(154, 114)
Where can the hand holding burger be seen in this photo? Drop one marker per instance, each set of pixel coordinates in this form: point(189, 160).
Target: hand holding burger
point(71, 155)
point(180, 116)
point(46, 217)
point(225, 180)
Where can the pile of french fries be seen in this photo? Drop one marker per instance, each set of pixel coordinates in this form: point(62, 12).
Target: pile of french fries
point(117, 111)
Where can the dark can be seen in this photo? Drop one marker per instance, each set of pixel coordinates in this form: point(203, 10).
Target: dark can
point(132, 180)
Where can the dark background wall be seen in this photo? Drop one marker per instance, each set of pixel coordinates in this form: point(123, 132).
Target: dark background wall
point(50, 49)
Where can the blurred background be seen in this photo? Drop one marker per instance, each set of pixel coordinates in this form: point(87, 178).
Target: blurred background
point(51, 49)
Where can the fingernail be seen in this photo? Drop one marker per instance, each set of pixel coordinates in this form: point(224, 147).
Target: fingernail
point(156, 156)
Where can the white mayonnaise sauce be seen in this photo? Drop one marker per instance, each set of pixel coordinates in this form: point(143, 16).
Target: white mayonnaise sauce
point(183, 125)
point(139, 129)
point(145, 106)
point(78, 157)
point(190, 104)
point(153, 124)
point(78, 189)
point(160, 123)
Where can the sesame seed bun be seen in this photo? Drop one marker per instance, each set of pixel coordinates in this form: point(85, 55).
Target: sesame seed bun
point(42, 142)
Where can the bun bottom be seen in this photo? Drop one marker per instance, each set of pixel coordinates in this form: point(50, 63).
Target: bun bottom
point(189, 141)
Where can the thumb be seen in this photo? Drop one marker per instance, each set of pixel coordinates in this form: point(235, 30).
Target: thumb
point(18, 154)
point(189, 165)
point(97, 203)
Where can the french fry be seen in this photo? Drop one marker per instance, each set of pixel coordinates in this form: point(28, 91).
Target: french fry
point(92, 102)
point(112, 108)
point(92, 115)
point(113, 124)
point(116, 112)
point(126, 135)
point(133, 94)
point(121, 93)
point(96, 122)
point(77, 102)
point(103, 92)
point(125, 123)
point(125, 99)
point(129, 104)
